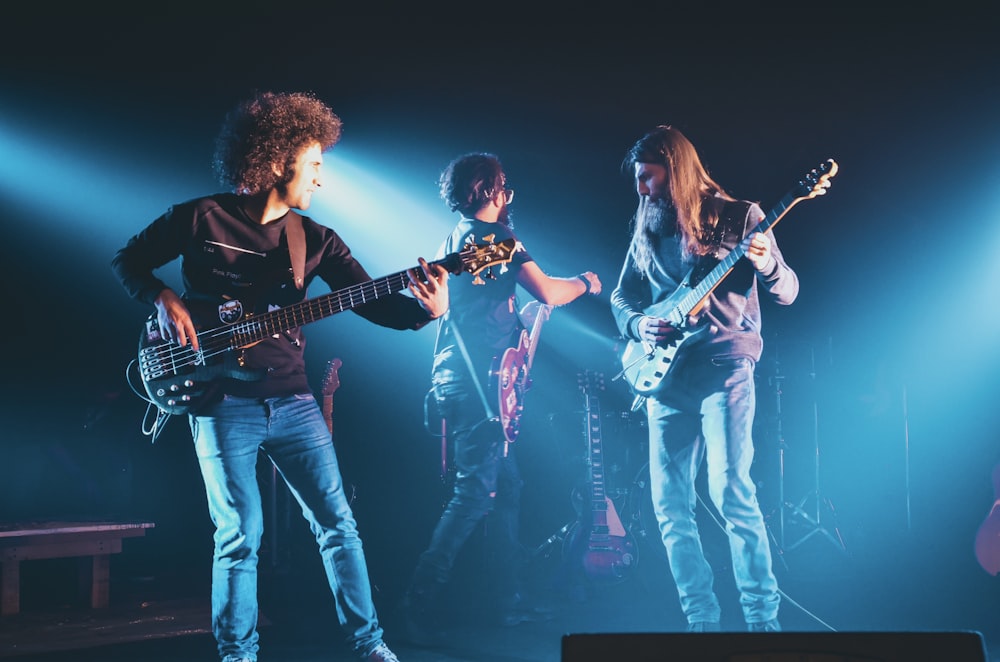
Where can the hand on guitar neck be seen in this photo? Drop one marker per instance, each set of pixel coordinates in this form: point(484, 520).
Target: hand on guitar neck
point(667, 323)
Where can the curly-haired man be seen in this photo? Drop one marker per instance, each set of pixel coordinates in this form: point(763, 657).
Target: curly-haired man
point(237, 247)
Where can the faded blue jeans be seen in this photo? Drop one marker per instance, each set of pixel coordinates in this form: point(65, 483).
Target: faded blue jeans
point(487, 485)
point(292, 432)
point(705, 412)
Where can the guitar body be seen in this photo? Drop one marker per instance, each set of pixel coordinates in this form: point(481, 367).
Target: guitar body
point(331, 382)
point(177, 378)
point(988, 534)
point(645, 366)
point(511, 377)
point(604, 548)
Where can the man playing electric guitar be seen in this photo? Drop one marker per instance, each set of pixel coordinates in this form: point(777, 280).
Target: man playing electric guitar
point(703, 406)
point(481, 326)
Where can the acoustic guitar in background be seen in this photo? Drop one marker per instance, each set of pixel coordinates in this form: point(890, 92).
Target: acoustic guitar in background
point(988, 535)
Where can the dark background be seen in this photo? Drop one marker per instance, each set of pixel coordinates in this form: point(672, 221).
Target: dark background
point(887, 363)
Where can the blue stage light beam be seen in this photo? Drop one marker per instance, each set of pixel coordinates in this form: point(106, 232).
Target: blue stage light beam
point(388, 218)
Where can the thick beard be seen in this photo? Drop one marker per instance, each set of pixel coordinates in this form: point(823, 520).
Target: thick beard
point(659, 218)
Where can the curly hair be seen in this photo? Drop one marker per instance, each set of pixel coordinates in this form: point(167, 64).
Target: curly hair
point(266, 129)
point(470, 181)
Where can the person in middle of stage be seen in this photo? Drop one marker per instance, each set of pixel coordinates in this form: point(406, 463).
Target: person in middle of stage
point(482, 322)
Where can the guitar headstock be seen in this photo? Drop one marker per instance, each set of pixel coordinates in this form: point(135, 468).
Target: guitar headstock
point(817, 181)
point(590, 381)
point(331, 380)
point(475, 258)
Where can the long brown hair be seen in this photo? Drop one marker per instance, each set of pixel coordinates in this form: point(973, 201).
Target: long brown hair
point(690, 188)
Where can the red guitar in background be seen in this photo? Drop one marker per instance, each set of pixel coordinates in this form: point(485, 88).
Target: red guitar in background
point(510, 371)
point(331, 381)
point(606, 547)
point(988, 535)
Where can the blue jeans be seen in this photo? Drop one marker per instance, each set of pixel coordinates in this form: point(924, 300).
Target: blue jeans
point(292, 432)
point(705, 412)
point(487, 483)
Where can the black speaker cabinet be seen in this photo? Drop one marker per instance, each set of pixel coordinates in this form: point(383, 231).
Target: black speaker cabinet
point(962, 646)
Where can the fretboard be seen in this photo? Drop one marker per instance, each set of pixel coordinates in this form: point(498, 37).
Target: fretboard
point(596, 454)
point(689, 302)
point(305, 312)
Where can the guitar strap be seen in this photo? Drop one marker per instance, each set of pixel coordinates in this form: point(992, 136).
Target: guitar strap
point(468, 362)
point(296, 247)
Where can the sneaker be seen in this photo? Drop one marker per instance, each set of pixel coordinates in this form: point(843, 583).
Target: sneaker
point(766, 626)
point(704, 626)
point(381, 653)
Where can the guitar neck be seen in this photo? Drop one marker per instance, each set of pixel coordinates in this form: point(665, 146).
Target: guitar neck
point(693, 299)
point(541, 315)
point(258, 327)
point(597, 491)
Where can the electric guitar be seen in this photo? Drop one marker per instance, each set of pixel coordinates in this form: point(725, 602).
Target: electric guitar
point(645, 365)
point(331, 382)
point(510, 372)
point(607, 548)
point(177, 378)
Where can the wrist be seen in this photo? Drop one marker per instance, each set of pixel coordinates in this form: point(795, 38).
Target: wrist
point(586, 283)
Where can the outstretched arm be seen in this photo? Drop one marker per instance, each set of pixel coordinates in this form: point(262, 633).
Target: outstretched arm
point(554, 290)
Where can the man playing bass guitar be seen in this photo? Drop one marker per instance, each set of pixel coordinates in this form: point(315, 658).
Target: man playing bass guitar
point(251, 246)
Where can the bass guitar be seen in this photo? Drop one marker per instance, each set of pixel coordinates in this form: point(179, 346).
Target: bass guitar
point(598, 538)
point(177, 378)
point(510, 372)
point(646, 365)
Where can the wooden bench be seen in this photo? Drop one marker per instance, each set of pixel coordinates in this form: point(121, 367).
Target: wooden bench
point(49, 540)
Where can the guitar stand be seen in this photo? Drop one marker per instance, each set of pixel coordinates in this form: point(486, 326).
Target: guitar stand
point(556, 538)
point(813, 519)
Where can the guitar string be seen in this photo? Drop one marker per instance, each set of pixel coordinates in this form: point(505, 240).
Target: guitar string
point(256, 329)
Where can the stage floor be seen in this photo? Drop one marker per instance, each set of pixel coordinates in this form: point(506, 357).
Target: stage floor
point(825, 590)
